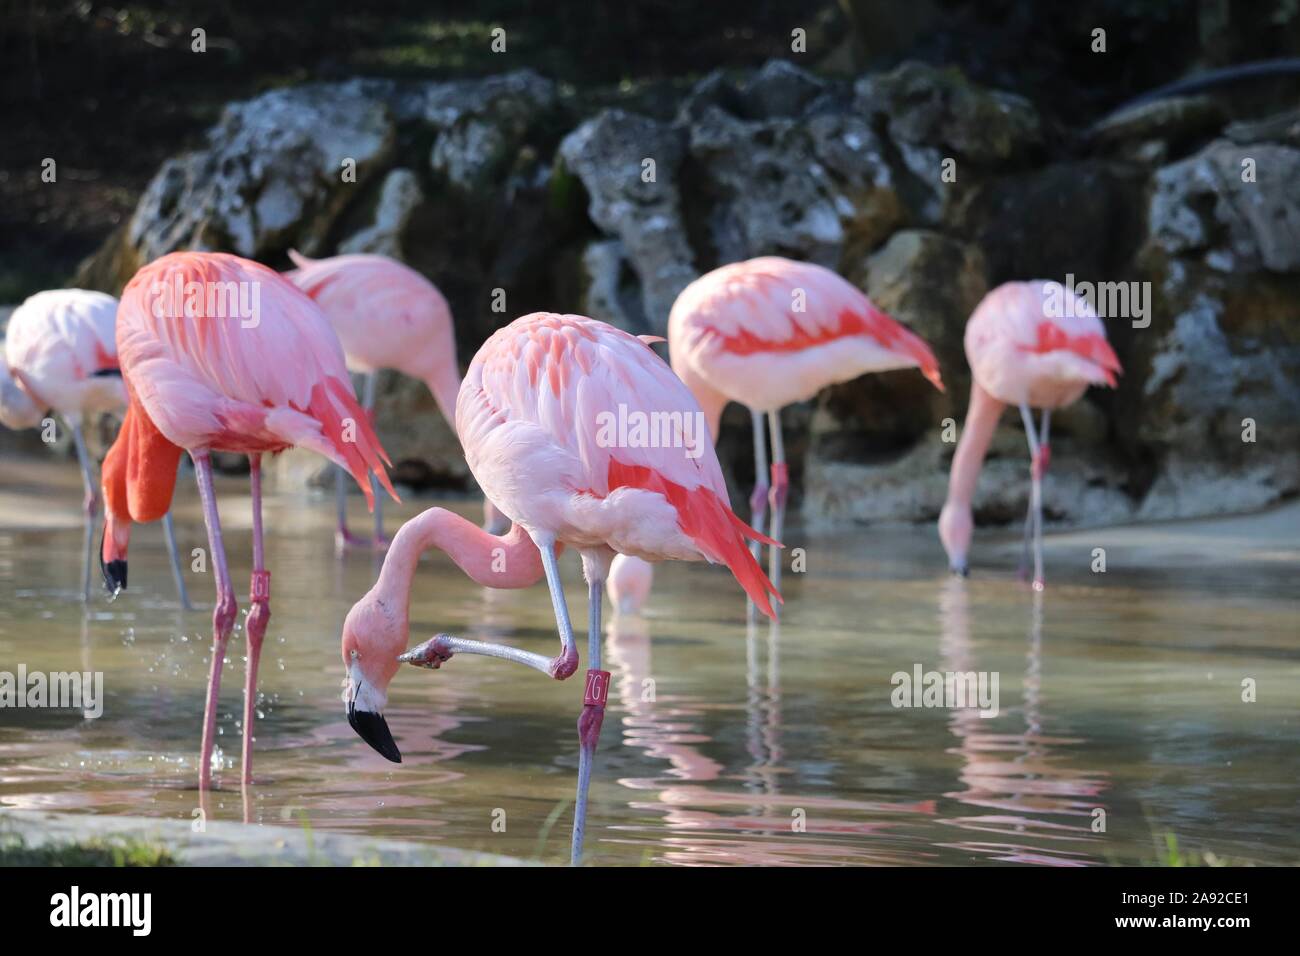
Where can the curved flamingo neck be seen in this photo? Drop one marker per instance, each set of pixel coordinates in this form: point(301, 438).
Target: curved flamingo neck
point(138, 478)
point(444, 383)
point(712, 402)
point(509, 561)
point(976, 435)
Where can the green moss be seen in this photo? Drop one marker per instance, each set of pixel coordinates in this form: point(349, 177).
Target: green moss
point(14, 851)
point(1169, 853)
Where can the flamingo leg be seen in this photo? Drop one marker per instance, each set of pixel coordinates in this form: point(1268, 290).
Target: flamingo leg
point(1036, 457)
point(1045, 455)
point(90, 505)
point(593, 704)
point(368, 403)
point(342, 537)
point(223, 615)
point(169, 533)
point(780, 488)
point(758, 499)
point(1026, 541)
point(259, 615)
point(440, 648)
point(564, 665)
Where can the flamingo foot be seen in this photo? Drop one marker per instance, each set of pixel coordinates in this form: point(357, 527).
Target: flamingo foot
point(345, 540)
point(564, 666)
point(432, 654)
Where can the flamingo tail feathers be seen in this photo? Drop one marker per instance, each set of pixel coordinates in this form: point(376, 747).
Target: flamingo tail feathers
point(335, 425)
point(711, 524)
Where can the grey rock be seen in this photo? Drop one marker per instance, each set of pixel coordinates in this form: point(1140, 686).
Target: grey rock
point(609, 154)
point(1202, 203)
point(272, 173)
point(939, 108)
point(1281, 127)
point(931, 283)
point(608, 294)
point(781, 89)
point(399, 196)
point(482, 124)
point(1080, 489)
point(1173, 118)
point(802, 189)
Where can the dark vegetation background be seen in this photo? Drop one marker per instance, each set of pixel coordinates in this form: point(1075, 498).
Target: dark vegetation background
point(111, 89)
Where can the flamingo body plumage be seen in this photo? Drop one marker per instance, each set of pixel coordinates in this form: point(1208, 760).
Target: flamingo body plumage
point(529, 414)
point(58, 344)
point(770, 332)
point(386, 315)
point(1021, 355)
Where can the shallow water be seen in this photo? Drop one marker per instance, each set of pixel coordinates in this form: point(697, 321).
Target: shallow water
point(1120, 694)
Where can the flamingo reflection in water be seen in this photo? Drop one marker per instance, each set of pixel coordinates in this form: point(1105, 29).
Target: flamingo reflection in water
point(752, 826)
point(1042, 808)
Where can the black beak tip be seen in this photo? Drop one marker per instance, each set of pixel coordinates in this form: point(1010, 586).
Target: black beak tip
point(114, 571)
point(373, 729)
point(961, 572)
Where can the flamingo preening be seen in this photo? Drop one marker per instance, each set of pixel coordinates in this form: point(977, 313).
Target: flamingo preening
point(61, 354)
point(1031, 345)
point(387, 316)
point(533, 416)
point(223, 354)
point(767, 333)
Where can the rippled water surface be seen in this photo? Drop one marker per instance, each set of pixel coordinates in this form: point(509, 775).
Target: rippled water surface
point(1121, 713)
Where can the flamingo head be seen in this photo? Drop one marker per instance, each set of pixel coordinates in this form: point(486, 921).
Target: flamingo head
point(956, 526)
point(373, 636)
point(17, 410)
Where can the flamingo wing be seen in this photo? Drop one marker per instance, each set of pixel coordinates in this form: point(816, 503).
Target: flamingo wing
point(386, 314)
point(55, 345)
point(1039, 330)
point(225, 353)
point(774, 306)
point(576, 391)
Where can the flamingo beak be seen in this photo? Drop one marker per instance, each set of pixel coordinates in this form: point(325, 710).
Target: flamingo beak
point(373, 729)
point(114, 573)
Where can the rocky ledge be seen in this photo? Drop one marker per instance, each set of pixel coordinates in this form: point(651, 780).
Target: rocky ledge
point(923, 188)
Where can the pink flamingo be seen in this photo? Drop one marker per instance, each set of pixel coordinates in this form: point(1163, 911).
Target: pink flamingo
point(223, 354)
point(386, 315)
point(767, 333)
point(534, 415)
point(61, 354)
point(1032, 345)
